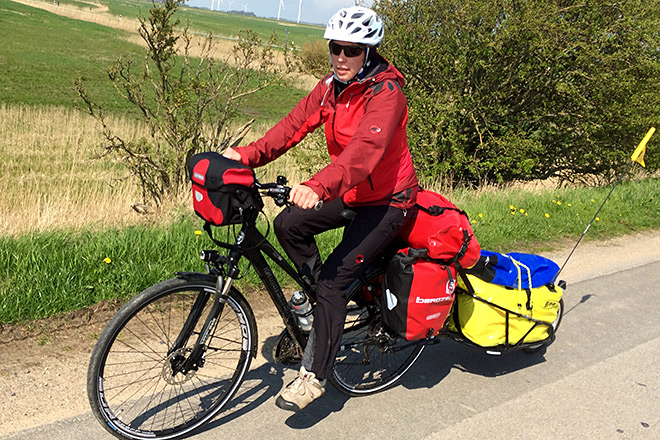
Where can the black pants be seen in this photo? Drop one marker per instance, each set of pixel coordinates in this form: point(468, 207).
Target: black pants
point(364, 238)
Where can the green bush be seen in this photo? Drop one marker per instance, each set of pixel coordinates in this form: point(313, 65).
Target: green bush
point(521, 90)
point(315, 58)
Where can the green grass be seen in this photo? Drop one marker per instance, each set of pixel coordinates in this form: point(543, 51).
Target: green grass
point(514, 220)
point(49, 273)
point(44, 53)
point(225, 24)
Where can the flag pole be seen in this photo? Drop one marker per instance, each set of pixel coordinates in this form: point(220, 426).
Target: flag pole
point(637, 156)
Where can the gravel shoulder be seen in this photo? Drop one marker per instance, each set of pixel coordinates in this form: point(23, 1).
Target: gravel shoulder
point(43, 369)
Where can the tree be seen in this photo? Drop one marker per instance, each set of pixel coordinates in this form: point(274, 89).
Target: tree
point(187, 103)
point(525, 89)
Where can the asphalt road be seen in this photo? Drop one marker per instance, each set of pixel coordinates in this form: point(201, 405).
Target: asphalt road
point(599, 380)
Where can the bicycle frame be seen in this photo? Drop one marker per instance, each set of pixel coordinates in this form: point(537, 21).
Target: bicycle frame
point(255, 247)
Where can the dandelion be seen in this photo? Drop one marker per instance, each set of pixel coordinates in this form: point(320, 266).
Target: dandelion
point(481, 215)
point(512, 212)
point(198, 232)
point(547, 215)
point(522, 211)
point(559, 203)
point(597, 219)
point(474, 222)
point(554, 201)
point(107, 260)
point(569, 205)
point(512, 208)
point(592, 200)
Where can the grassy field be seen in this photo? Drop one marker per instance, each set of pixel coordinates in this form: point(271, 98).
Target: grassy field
point(68, 235)
point(45, 52)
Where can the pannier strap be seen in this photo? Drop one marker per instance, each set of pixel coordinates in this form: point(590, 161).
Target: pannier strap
point(436, 210)
point(439, 210)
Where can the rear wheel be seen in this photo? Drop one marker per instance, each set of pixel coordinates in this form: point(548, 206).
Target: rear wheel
point(371, 358)
point(140, 388)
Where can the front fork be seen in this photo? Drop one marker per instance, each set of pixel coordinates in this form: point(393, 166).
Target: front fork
point(182, 364)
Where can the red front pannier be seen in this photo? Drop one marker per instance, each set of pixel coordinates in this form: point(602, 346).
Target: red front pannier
point(443, 229)
point(417, 294)
point(223, 189)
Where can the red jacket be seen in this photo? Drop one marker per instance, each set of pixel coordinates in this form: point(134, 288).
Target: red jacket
point(365, 129)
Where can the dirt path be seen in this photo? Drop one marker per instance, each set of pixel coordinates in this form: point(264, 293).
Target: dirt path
point(43, 368)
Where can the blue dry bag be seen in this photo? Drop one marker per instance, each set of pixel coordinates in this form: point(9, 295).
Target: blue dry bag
point(515, 269)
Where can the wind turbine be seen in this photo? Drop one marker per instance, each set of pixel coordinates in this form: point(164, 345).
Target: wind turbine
point(279, 8)
point(299, 8)
point(213, 4)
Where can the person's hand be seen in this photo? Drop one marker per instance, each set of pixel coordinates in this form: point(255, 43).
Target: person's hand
point(303, 197)
point(232, 154)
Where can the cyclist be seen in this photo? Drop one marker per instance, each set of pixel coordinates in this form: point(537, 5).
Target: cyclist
point(371, 171)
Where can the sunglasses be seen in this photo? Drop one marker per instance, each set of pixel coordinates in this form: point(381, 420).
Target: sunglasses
point(349, 51)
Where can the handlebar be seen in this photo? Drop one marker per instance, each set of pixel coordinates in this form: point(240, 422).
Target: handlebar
point(280, 193)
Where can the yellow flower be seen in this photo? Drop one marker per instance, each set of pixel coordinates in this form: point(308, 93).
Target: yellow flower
point(569, 205)
point(512, 208)
point(480, 215)
point(597, 219)
point(198, 232)
point(474, 222)
point(592, 200)
point(107, 260)
point(554, 201)
point(547, 215)
point(512, 212)
point(522, 211)
point(558, 203)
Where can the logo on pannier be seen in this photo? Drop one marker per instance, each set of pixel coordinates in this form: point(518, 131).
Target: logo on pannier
point(391, 299)
point(433, 300)
point(199, 177)
point(199, 196)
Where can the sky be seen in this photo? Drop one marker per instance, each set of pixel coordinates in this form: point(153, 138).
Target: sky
point(311, 11)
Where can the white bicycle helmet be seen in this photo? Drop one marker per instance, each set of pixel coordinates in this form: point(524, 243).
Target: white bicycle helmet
point(356, 25)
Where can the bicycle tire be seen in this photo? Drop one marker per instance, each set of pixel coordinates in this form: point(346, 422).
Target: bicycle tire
point(130, 384)
point(371, 358)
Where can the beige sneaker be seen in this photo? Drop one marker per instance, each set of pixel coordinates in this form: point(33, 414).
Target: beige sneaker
point(301, 392)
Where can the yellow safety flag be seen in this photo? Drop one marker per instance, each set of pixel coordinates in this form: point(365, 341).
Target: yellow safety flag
point(638, 155)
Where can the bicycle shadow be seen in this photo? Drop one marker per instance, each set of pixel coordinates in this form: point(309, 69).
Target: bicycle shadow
point(436, 362)
point(264, 383)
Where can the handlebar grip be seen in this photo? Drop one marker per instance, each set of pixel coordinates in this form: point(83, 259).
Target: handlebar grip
point(318, 205)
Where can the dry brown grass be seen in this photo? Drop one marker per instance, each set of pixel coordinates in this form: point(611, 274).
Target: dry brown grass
point(51, 175)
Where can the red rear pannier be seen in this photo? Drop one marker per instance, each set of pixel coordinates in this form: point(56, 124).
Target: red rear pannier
point(417, 294)
point(223, 189)
point(443, 229)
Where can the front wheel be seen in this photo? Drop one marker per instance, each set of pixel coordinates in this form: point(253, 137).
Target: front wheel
point(137, 384)
point(371, 358)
